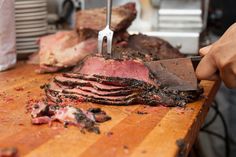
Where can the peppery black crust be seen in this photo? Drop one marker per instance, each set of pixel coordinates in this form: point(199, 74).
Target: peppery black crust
point(129, 91)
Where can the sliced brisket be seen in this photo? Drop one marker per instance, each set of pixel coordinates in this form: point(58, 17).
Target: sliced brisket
point(106, 93)
point(71, 79)
point(131, 91)
point(133, 69)
point(114, 82)
point(118, 82)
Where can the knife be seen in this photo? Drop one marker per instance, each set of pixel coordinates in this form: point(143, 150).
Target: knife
point(177, 74)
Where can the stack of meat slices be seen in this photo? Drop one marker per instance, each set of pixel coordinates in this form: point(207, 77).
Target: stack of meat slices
point(113, 82)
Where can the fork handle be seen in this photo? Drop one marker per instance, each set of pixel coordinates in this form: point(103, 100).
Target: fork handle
point(109, 6)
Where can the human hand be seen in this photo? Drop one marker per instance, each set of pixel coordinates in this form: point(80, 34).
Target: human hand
point(219, 59)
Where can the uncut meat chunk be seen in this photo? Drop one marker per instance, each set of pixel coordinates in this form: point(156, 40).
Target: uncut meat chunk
point(63, 49)
point(53, 45)
point(90, 21)
point(153, 47)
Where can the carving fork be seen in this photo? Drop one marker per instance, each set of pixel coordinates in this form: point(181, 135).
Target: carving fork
point(106, 32)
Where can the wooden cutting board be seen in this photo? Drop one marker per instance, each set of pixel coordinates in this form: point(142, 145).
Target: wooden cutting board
point(127, 134)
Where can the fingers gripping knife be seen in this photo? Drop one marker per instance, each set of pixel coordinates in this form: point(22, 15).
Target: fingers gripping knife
point(106, 32)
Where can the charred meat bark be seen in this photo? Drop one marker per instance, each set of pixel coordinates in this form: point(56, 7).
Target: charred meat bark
point(114, 82)
point(139, 93)
point(152, 48)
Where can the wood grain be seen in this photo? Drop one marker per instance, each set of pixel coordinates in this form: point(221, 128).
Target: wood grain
point(127, 134)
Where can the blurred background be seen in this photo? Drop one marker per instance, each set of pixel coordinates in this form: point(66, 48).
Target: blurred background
point(186, 24)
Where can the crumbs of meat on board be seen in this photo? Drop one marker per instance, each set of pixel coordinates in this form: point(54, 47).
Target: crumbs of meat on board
point(19, 89)
point(8, 152)
point(43, 113)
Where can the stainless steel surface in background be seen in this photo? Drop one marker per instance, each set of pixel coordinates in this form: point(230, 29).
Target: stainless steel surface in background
point(181, 22)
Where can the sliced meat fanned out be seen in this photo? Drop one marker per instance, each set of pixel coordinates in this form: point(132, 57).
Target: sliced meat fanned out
point(117, 83)
point(124, 91)
point(84, 81)
point(107, 93)
point(114, 82)
point(74, 98)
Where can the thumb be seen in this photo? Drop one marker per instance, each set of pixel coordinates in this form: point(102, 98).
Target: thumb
point(203, 51)
point(207, 69)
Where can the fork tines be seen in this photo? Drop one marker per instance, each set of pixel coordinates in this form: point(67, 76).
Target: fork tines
point(108, 34)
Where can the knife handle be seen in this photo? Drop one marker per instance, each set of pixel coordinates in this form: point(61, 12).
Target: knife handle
point(195, 60)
